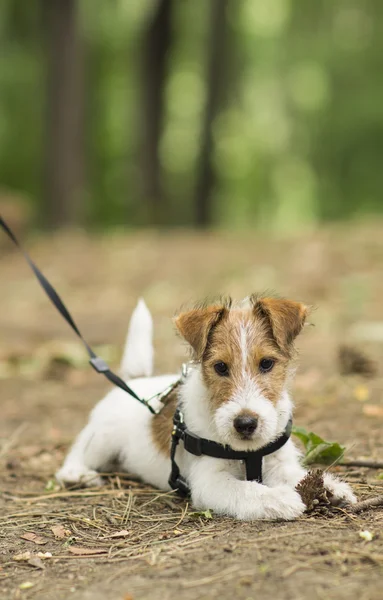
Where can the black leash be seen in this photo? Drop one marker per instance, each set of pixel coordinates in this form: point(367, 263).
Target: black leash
point(97, 362)
point(201, 446)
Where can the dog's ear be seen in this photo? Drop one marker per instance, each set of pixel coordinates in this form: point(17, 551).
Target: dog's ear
point(285, 317)
point(195, 326)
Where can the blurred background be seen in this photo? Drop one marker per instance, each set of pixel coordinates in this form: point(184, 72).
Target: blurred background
point(232, 113)
point(185, 148)
point(178, 149)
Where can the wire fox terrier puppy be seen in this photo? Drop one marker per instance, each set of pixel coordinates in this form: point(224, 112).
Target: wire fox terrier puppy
point(234, 399)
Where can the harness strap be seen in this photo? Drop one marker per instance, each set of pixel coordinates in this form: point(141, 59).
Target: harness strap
point(176, 481)
point(97, 362)
point(201, 446)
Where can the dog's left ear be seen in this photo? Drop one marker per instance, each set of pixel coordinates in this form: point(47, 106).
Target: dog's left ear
point(195, 326)
point(285, 317)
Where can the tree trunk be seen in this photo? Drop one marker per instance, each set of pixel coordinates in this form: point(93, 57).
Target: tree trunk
point(156, 44)
point(63, 168)
point(216, 68)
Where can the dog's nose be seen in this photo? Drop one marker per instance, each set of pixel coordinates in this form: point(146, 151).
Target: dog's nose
point(245, 425)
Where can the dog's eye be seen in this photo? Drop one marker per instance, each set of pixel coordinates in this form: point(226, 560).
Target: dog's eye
point(221, 369)
point(266, 365)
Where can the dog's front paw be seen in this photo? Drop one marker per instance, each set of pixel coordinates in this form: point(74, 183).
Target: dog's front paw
point(285, 503)
point(341, 492)
point(80, 475)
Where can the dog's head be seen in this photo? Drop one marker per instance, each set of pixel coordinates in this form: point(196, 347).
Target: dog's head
point(245, 354)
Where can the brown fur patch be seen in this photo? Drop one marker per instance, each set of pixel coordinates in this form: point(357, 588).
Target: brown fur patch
point(242, 340)
point(285, 317)
point(162, 424)
point(195, 325)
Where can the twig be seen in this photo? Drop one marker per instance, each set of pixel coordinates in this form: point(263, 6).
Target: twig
point(129, 504)
point(365, 504)
point(183, 513)
point(370, 464)
point(84, 494)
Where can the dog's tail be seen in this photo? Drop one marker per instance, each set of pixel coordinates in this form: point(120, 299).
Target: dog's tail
point(137, 360)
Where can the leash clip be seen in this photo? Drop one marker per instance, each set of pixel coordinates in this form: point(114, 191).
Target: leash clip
point(161, 397)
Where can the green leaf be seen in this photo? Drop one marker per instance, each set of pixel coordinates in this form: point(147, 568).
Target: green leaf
point(301, 433)
point(318, 450)
point(51, 486)
point(380, 476)
point(325, 454)
point(314, 441)
point(205, 514)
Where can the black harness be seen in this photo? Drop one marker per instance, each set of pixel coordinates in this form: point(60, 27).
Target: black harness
point(192, 443)
point(203, 447)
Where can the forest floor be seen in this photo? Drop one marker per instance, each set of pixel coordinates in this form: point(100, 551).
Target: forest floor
point(128, 541)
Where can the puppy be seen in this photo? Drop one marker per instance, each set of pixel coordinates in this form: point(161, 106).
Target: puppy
point(234, 394)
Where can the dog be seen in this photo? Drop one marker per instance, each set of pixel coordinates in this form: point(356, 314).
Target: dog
point(235, 393)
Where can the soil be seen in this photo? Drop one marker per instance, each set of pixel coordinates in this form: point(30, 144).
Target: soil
point(128, 541)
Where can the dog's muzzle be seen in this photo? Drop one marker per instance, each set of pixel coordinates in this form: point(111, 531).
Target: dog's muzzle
point(245, 425)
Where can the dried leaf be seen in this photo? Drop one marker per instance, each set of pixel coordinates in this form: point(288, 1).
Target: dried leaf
point(44, 555)
point(60, 532)
point(32, 537)
point(23, 556)
point(27, 585)
point(373, 410)
point(35, 561)
point(86, 551)
point(117, 534)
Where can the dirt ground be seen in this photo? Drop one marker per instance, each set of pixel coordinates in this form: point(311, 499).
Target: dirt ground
point(128, 541)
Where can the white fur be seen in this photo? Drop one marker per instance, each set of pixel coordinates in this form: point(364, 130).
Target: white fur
point(244, 346)
point(119, 429)
point(137, 360)
point(248, 396)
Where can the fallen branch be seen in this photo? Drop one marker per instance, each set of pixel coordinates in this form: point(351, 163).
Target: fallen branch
point(366, 504)
point(370, 464)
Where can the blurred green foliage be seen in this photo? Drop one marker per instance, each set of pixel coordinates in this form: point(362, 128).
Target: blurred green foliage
point(298, 137)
